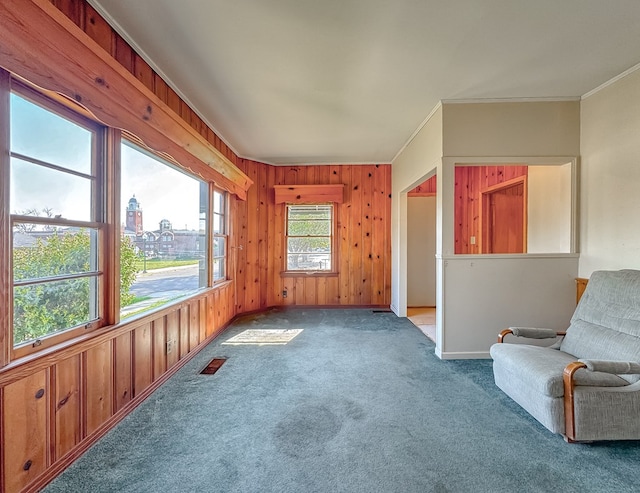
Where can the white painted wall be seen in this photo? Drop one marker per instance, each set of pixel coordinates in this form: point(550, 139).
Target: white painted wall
point(476, 298)
point(549, 209)
point(479, 295)
point(411, 167)
point(485, 293)
point(610, 177)
point(421, 251)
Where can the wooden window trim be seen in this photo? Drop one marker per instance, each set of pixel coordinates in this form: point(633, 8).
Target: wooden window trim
point(225, 235)
point(6, 340)
point(98, 221)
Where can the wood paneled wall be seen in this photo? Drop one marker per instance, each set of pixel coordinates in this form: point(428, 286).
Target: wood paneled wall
point(85, 17)
point(54, 406)
point(363, 242)
point(425, 189)
point(470, 182)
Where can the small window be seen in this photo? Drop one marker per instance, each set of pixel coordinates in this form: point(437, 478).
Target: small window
point(310, 238)
point(219, 236)
point(56, 220)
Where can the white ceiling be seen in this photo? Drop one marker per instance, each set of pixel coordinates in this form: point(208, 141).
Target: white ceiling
point(349, 81)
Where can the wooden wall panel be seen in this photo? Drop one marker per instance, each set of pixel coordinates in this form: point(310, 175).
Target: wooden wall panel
point(143, 358)
point(470, 181)
point(194, 323)
point(99, 29)
point(425, 189)
point(123, 370)
point(159, 348)
point(66, 403)
point(363, 238)
point(184, 331)
point(25, 430)
point(99, 385)
point(173, 338)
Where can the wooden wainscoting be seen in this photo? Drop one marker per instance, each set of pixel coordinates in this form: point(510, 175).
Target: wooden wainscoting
point(55, 405)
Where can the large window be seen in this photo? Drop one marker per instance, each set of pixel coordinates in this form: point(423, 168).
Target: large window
point(164, 231)
point(309, 239)
point(69, 261)
point(56, 219)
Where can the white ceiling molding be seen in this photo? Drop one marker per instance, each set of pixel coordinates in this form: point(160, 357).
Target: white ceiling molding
point(611, 81)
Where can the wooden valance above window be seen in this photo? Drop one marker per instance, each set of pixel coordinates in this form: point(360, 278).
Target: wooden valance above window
point(309, 194)
point(59, 57)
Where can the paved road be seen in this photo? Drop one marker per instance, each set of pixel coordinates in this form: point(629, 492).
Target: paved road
point(164, 283)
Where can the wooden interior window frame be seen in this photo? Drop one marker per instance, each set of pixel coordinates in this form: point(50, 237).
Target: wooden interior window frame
point(286, 272)
point(224, 234)
point(100, 215)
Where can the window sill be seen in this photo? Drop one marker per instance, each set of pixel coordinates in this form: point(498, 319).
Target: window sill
point(307, 273)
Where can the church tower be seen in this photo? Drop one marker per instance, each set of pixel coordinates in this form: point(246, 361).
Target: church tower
point(134, 216)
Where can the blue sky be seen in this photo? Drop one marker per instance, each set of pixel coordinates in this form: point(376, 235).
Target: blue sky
point(164, 192)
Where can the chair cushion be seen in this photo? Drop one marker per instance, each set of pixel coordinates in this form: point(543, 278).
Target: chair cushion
point(540, 368)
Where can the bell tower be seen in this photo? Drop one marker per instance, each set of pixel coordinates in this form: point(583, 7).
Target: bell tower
point(134, 216)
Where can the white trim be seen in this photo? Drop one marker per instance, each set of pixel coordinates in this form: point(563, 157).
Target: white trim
point(417, 130)
point(494, 256)
point(120, 30)
point(554, 99)
point(463, 355)
point(394, 309)
point(611, 81)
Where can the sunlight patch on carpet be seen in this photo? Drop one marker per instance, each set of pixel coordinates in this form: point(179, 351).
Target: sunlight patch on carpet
point(264, 336)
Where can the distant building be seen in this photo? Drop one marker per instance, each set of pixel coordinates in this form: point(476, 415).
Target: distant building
point(134, 216)
point(164, 242)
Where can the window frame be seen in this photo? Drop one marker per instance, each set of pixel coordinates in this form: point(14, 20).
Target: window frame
point(332, 271)
point(224, 235)
point(105, 217)
point(97, 221)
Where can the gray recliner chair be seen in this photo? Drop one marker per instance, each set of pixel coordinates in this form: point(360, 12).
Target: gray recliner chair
point(586, 386)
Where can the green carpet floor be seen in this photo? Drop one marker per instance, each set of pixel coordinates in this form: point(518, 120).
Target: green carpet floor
point(357, 402)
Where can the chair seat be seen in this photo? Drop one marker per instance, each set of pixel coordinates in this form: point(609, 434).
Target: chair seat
point(541, 368)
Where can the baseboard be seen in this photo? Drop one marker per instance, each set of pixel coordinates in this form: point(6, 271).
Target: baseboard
point(462, 354)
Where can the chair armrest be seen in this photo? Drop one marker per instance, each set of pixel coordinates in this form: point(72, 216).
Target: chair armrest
point(569, 386)
point(615, 367)
point(530, 333)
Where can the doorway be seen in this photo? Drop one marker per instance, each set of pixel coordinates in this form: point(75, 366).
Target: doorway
point(504, 217)
point(421, 256)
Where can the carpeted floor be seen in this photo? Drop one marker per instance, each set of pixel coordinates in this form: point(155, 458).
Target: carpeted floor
point(357, 402)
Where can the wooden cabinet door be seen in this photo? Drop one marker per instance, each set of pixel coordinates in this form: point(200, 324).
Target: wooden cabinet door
point(142, 359)
point(68, 424)
point(25, 430)
point(99, 382)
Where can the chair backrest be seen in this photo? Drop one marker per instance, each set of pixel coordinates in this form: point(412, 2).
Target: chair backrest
point(606, 323)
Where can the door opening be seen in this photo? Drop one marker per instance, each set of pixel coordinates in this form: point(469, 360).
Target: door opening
point(504, 217)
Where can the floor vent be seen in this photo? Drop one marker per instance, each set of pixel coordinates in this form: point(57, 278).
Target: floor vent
point(382, 310)
point(213, 366)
